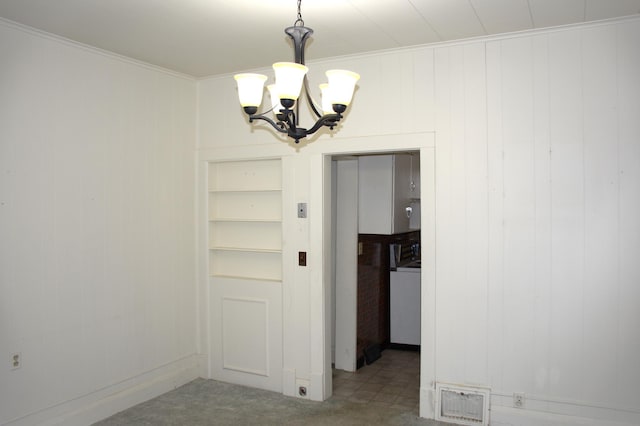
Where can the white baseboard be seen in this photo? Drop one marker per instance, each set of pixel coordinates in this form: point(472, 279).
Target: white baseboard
point(204, 369)
point(542, 413)
point(289, 382)
point(105, 402)
point(505, 416)
point(317, 387)
point(427, 402)
point(558, 412)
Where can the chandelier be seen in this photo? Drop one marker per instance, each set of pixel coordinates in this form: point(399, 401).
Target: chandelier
point(290, 78)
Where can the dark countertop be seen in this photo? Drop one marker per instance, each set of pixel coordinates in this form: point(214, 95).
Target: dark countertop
point(410, 264)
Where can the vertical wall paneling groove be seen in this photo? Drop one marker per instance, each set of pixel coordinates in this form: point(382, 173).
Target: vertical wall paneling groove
point(476, 219)
point(423, 91)
point(445, 255)
point(454, 296)
point(538, 373)
point(567, 204)
point(495, 270)
point(518, 210)
point(628, 307)
point(461, 124)
point(601, 285)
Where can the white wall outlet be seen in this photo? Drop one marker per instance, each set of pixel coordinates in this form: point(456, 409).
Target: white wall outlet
point(302, 388)
point(16, 360)
point(518, 400)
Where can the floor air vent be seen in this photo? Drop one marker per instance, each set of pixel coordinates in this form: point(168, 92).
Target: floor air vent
point(464, 405)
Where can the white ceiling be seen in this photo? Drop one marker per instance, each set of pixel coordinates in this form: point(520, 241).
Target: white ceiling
point(209, 37)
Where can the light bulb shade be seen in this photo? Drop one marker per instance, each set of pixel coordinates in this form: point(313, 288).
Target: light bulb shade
point(327, 99)
point(250, 88)
point(289, 76)
point(275, 99)
point(342, 84)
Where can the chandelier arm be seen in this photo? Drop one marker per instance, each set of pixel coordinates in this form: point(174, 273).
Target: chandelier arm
point(312, 103)
point(275, 125)
point(326, 120)
point(290, 118)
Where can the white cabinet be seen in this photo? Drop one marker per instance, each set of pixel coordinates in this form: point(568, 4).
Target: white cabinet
point(245, 219)
point(384, 193)
point(245, 268)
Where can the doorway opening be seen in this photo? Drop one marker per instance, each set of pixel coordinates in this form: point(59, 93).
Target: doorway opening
point(376, 309)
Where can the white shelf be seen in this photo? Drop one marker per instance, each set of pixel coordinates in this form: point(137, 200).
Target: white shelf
point(246, 205)
point(238, 277)
point(235, 220)
point(246, 234)
point(263, 265)
point(254, 175)
point(225, 191)
point(245, 220)
point(248, 250)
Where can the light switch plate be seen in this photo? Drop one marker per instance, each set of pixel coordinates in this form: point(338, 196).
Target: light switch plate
point(302, 210)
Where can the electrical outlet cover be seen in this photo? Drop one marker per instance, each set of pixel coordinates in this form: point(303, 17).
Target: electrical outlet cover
point(518, 400)
point(16, 360)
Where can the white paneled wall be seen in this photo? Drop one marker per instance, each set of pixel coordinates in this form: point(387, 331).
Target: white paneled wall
point(394, 96)
point(461, 215)
point(537, 177)
point(544, 302)
point(97, 270)
point(628, 224)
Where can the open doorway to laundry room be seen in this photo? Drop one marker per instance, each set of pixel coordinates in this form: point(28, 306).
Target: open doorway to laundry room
point(376, 283)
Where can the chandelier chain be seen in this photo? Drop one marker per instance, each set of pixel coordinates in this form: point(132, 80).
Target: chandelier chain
point(299, 20)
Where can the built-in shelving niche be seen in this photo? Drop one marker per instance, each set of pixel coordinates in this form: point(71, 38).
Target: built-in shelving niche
point(245, 219)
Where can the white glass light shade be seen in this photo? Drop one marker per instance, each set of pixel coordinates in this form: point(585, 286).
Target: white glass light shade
point(289, 76)
point(250, 88)
point(275, 99)
point(326, 98)
point(342, 84)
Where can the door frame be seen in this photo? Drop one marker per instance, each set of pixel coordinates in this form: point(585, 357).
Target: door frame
point(321, 242)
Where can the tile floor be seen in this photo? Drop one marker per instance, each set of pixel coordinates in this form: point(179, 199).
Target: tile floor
point(393, 380)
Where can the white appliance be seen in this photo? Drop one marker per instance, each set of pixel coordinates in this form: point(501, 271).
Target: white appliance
point(405, 306)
